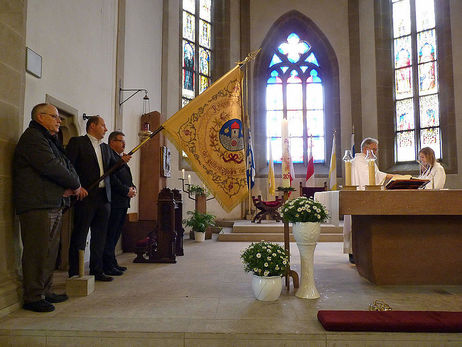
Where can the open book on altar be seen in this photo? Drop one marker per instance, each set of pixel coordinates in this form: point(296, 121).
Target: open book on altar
point(406, 182)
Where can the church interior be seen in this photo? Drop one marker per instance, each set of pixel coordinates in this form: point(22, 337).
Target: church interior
point(136, 63)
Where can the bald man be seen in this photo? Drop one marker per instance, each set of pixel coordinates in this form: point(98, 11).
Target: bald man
point(43, 180)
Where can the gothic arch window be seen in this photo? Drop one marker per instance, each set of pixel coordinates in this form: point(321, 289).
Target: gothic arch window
point(417, 111)
point(196, 48)
point(296, 77)
point(294, 91)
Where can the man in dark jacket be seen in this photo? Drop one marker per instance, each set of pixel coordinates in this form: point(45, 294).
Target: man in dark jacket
point(122, 190)
point(43, 179)
point(91, 158)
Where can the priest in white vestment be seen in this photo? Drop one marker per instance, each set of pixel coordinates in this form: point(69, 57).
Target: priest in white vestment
point(360, 178)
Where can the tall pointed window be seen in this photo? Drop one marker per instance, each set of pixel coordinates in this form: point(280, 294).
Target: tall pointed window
point(294, 90)
point(417, 117)
point(196, 48)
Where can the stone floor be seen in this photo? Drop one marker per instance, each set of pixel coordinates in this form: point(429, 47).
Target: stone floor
point(206, 300)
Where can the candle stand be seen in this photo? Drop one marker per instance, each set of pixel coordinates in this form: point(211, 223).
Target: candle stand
point(289, 272)
point(200, 203)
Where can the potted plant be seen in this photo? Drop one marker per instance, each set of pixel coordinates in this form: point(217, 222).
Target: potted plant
point(197, 190)
point(267, 262)
point(306, 216)
point(199, 222)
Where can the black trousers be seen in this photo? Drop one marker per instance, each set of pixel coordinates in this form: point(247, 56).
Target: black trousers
point(40, 233)
point(114, 229)
point(90, 213)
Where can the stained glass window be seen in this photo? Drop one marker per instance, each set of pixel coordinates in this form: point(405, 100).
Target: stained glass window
point(416, 78)
point(196, 48)
point(294, 90)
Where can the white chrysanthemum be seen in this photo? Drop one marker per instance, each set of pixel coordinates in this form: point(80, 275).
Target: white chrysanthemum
point(268, 250)
point(318, 215)
point(277, 267)
point(268, 258)
point(258, 255)
point(266, 273)
point(255, 269)
point(265, 264)
point(284, 262)
point(259, 270)
point(274, 254)
point(299, 209)
point(297, 215)
point(279, 251)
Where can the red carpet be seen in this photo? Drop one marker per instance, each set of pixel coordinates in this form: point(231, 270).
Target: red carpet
point(392, 321)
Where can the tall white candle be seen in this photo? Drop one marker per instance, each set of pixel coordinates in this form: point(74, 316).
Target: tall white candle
point(285, 167)
point(182, 173)
point(189, 179)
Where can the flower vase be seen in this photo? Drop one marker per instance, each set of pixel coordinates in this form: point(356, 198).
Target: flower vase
point(199, 236)
point(266, 288)
point(306, 235)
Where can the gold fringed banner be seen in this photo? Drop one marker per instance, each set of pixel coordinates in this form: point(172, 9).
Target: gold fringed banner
point(209, 130)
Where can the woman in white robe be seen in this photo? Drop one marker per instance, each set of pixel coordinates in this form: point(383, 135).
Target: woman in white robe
point(431, 169)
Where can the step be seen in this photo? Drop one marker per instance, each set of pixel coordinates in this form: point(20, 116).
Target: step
point(272, 237)
point(273, 227)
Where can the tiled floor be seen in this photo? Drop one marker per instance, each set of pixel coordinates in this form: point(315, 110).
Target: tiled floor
point(206, 300)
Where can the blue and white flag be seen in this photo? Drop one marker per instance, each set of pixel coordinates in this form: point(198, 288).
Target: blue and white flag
point(250, 171)
point(353, 143)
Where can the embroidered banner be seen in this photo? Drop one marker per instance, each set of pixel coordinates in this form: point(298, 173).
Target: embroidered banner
point(209, 130)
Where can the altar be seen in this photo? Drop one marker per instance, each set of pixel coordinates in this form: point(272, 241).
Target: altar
point(406, 236)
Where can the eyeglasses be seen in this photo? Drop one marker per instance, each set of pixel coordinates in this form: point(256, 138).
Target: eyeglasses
point(123, 141)
point(56, 117)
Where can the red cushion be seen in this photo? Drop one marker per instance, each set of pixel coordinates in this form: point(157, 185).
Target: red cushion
point(143, 242)
point(391, 321)
point(272, 203)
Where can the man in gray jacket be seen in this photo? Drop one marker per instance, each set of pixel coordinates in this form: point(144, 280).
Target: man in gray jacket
point(44, 178)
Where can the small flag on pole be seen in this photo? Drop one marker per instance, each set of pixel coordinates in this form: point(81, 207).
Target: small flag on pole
point(333, 167)
point(309, 181)
point(271, 178)
point(250, 164)
point(353, 142)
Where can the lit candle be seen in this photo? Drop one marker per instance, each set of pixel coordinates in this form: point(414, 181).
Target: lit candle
point(371, 165)
point(348, 173)
point(285, 167)
point(189, 179)
point(182, 173)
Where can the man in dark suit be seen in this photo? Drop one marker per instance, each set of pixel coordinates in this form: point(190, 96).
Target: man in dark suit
point(91, 158)
point(122, 190)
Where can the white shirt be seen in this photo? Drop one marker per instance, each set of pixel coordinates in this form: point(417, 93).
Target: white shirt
point(97, 147)
point(360, 172)
point(436, 175)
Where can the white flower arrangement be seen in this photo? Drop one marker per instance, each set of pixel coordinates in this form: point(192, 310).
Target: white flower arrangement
point(303, 209)
point(274, 263)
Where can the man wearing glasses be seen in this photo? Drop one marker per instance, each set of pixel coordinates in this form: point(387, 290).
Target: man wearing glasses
point(122, 190)
point(43, 179)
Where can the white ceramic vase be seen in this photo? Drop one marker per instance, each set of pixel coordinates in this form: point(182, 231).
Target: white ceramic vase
point(266, 288)
point(199, 236)
point(306, 235)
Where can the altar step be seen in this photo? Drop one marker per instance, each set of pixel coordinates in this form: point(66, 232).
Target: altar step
point(245, 231)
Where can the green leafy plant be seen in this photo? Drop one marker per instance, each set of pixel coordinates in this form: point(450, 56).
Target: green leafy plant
point(197, 190)
point(199, 221)
point(303, 209)
point(265, 259)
